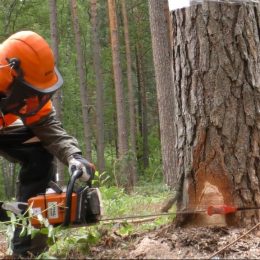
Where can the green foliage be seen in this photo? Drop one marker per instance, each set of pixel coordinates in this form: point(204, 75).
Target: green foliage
point(146, 200)
point(122, 168)
point(126, 229)
point(143, 201)
point(100, 179)
point(23, 221)
point(76, 242)
point(154, 172)
point(68, 242)
point(73, 241)
point(34, 15)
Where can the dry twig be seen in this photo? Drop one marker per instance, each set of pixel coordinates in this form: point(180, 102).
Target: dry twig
point(233, 242)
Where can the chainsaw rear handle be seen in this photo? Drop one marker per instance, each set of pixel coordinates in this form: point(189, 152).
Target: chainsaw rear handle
point(221, 210)
point(76, 174)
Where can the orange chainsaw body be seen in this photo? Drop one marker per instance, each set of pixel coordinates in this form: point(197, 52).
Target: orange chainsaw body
point(52, 207)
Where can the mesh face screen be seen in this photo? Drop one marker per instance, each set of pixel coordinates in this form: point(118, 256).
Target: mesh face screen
point(23, 100)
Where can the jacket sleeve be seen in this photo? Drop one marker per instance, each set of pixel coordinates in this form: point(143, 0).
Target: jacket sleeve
point(54, 138)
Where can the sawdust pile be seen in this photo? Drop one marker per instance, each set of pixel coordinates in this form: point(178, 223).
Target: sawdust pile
point(181, 243)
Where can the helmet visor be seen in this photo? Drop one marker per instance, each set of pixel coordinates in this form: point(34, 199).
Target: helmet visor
point(26, 100)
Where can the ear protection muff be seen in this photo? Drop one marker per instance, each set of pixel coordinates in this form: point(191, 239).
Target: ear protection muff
point(14, 63)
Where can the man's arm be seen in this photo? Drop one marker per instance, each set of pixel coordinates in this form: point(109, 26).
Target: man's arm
point(54, 138)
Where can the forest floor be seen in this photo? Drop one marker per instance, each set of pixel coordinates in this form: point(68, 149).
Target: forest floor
point(156, 239)
point(168, 242)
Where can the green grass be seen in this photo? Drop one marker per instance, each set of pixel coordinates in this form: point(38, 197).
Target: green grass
point(144, 200)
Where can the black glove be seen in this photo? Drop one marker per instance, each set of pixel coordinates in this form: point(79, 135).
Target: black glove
point(77, 162)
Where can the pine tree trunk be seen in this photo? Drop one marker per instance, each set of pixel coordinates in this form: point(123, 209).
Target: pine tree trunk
point(57, 99)
point(99, 89)
point(55, 48)
point(124, 171)
point(164, 83)
point(82, 79)
point(143, 154)
point(131, 94)
point(216, 55)
point(143, 124)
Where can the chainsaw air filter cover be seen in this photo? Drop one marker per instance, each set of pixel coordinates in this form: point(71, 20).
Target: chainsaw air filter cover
point(89, 208)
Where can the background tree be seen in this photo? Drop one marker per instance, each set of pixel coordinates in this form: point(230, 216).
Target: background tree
point(143, 146)
point(131, 94)
point(57, 99)
point(82, 79)
point(55, 48)
point(9, 178)
point(123, 148)
point(99, 87)
point(164, 82)
point(216, 80)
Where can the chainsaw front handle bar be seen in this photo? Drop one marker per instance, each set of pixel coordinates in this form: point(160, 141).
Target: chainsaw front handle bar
point(76, 175)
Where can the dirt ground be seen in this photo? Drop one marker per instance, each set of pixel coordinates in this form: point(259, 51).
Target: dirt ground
point(181, 243)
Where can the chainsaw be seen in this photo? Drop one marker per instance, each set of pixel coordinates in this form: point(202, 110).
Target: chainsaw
point(81, 205)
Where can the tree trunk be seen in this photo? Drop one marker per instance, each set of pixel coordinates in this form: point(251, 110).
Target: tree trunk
point(99, 88)
point(143, 153)
point(57, 99)
point(9, 178)
point(124, 172)
point(216, 56)
point(143, 124)
point(82, 79)
point(55, 43)
point(164, 83)
point(131, 93)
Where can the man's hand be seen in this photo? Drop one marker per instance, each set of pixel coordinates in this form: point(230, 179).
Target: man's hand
point(77, 162)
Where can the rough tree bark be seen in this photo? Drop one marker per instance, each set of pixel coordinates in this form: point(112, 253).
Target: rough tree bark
point(216, 56)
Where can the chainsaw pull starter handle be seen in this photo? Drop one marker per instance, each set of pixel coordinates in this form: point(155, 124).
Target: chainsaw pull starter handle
point(221, 210)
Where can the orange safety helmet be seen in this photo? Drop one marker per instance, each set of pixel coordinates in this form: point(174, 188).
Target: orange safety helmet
point(28, 76)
